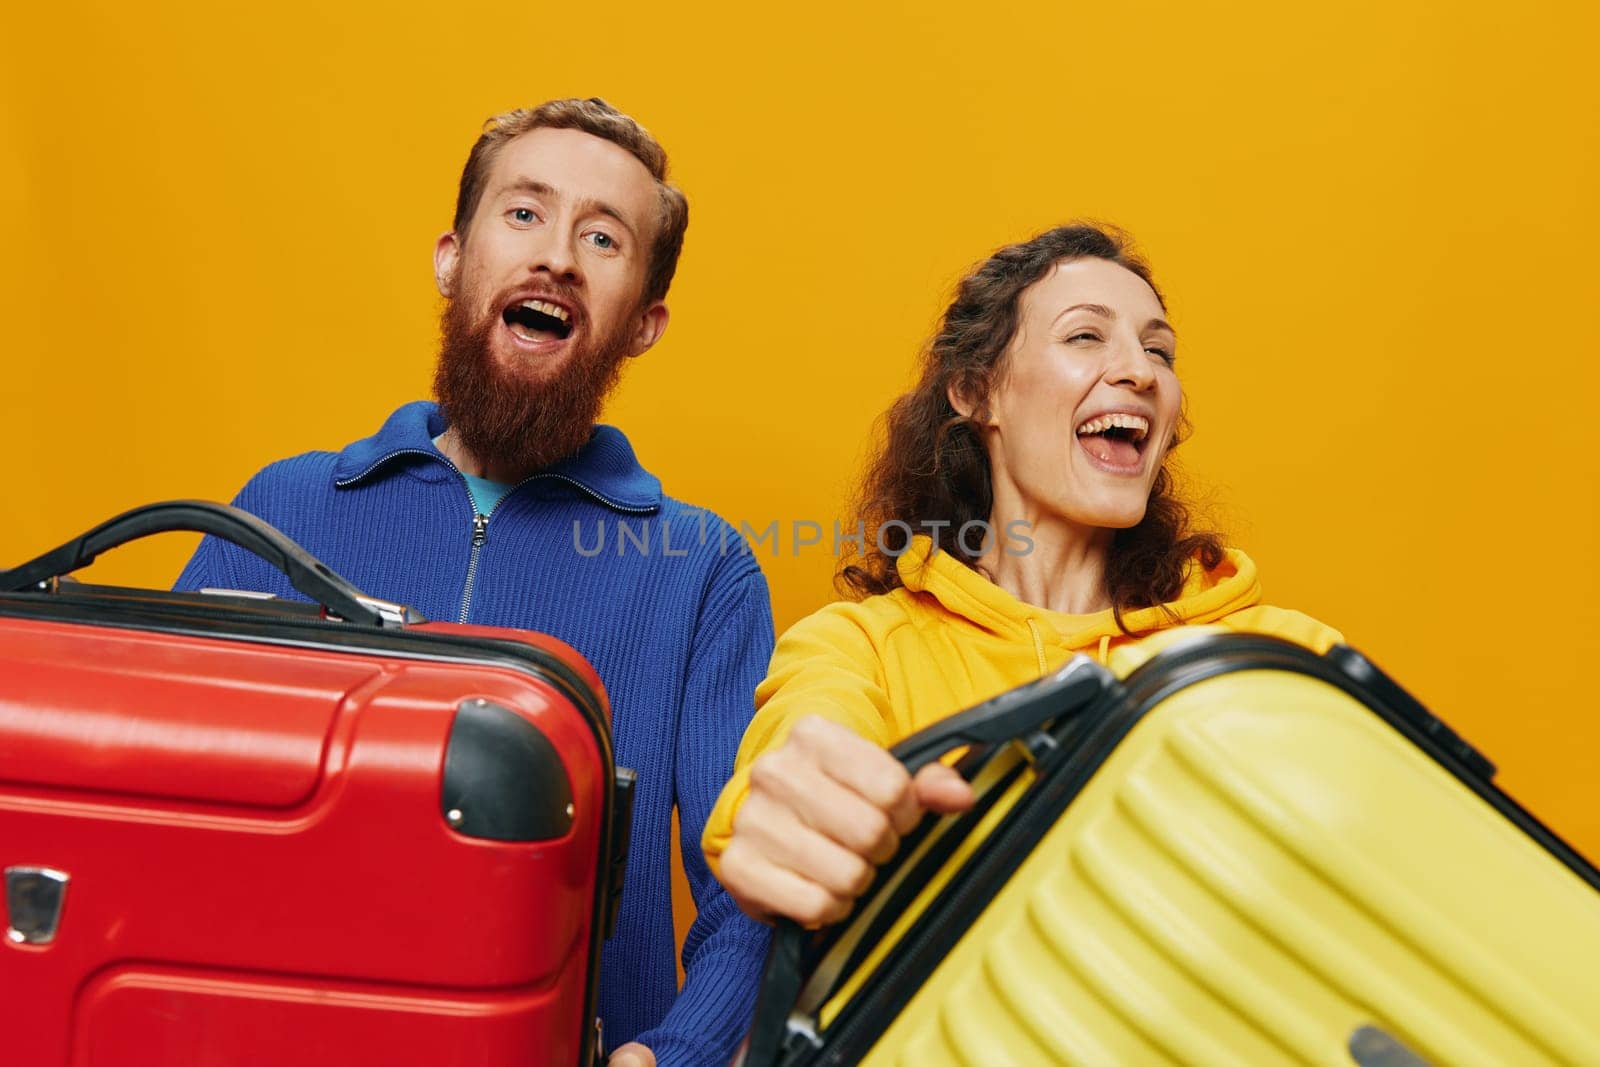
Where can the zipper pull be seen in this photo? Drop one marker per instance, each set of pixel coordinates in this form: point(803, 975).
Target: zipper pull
point(480, 530)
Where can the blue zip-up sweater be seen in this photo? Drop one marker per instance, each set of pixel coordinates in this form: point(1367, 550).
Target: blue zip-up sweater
point(680, 632)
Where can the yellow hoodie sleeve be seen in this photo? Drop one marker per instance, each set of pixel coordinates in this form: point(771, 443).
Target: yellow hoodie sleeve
point(827, 664)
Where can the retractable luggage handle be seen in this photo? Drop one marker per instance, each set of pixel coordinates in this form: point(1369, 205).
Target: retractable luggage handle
point(305, 572)
point(1017, 714)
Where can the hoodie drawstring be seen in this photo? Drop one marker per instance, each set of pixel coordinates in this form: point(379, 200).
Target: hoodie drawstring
point(1038, 647)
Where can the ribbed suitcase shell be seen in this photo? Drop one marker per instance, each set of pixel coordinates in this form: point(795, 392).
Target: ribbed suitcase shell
point(249, 806)
point(1263, 871)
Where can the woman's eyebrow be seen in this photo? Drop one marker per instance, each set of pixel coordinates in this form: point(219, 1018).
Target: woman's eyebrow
point(1098, 309)
point(1102, 310)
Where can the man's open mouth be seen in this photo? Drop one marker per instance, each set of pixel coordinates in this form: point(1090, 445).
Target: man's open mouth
point(538, 320)
point(1116, 438)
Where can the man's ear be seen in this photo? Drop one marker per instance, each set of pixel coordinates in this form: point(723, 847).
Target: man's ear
point(446, 255)
point(648, 328)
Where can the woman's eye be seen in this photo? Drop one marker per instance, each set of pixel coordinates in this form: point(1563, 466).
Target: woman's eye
point(1165, 355)
point(1084, 335)
point(602, 241)
point(522, 214)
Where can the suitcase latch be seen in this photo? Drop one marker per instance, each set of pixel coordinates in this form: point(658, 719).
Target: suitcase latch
point(34, 897)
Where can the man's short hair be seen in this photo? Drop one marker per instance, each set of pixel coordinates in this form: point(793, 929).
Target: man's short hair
point(599, 119)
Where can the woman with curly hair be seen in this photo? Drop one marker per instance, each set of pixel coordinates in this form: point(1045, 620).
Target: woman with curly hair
point(1020, 512)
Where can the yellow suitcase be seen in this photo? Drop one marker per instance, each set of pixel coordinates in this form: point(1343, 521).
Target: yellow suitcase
point(1236, 853)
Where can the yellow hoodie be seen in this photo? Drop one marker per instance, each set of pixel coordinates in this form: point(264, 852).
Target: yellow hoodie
point(889, 665)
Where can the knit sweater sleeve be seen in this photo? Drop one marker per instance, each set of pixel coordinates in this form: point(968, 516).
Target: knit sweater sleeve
point(212, 565)
point(725, 950)
point(827, 664)
point(203, 569)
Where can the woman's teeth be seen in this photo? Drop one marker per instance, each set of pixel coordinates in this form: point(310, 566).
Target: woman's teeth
point(1137, 425)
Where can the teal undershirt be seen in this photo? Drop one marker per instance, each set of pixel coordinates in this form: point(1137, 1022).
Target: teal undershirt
point(485, 493)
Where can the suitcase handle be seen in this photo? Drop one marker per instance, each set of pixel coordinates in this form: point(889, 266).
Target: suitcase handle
point(1016, 714)
point(305, 572)
point(1013, 715)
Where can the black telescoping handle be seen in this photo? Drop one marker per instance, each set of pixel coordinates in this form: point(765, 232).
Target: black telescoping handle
point(1015, 713)
point(305, 572)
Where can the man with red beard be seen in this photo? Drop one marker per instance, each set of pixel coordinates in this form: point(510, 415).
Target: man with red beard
point(486, 506)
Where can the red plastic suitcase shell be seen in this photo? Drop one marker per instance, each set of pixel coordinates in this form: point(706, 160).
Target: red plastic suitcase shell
point(249, 809)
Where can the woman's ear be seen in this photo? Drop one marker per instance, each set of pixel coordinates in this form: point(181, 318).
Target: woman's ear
point(967, 399)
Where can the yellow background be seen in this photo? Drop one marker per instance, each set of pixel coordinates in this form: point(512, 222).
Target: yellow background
point(1375, 224)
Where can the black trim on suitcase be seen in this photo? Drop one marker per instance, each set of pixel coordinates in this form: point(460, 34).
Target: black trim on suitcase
point(503, 780)
point(904, 894)
point(1064, 770)
point(627, 781)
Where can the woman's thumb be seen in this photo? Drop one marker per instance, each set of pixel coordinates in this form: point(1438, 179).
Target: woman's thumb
point(939, 788)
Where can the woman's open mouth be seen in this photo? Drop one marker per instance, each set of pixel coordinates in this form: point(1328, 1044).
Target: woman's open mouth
point(538, 321)
point(1115, 441)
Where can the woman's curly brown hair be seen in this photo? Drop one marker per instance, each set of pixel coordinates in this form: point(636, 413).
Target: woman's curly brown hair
point(933, 470)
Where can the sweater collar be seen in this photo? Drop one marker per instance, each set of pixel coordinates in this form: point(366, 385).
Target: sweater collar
point(605, 468)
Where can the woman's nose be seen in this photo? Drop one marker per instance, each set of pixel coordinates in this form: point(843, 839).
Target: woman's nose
point(1131, 366)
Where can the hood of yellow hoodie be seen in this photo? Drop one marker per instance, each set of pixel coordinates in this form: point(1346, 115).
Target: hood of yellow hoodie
point(1208, 596)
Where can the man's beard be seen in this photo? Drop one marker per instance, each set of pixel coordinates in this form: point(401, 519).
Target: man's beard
point(505, 421)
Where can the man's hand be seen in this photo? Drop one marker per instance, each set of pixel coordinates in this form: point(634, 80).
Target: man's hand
point(824, 810)
point(632, 1054)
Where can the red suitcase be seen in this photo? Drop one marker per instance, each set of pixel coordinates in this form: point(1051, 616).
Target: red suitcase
point(243, 831)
